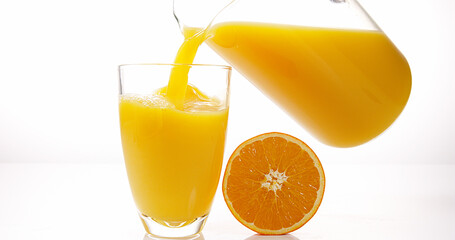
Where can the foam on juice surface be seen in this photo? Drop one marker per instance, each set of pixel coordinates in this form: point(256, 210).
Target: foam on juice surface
point(195, 100)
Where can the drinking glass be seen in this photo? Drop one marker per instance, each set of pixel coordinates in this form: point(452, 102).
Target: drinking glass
point(173, 156)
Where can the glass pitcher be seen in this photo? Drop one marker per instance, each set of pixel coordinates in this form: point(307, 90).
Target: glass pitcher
point(325, 62)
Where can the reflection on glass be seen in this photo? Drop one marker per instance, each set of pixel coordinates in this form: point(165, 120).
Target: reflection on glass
point(271, 237)
point(199, 236)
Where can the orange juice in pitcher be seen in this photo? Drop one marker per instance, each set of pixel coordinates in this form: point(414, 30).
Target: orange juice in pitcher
point(325, 62)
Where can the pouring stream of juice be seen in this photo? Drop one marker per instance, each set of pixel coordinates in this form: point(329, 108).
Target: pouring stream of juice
point(178, 79)
point(344, 86)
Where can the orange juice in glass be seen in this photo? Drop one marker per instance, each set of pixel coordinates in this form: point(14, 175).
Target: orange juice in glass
point(173, 155)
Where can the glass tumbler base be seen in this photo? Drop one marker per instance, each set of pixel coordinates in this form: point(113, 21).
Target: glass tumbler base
point(163, 229)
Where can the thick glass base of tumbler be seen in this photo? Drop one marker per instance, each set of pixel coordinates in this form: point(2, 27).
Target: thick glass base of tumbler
point(164, 229)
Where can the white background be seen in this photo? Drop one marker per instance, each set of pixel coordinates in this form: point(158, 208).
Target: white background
point(61, 164)
point(58, 62)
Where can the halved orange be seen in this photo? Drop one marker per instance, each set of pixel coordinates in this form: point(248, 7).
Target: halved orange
point(273, 183)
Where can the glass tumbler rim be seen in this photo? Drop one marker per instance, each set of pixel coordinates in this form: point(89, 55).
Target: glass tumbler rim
point(226, 67)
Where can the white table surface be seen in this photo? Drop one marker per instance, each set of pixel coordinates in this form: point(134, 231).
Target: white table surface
point(92, 201)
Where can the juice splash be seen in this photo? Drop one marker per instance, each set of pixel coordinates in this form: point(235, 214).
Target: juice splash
point(344, 86)
point(173, 157)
